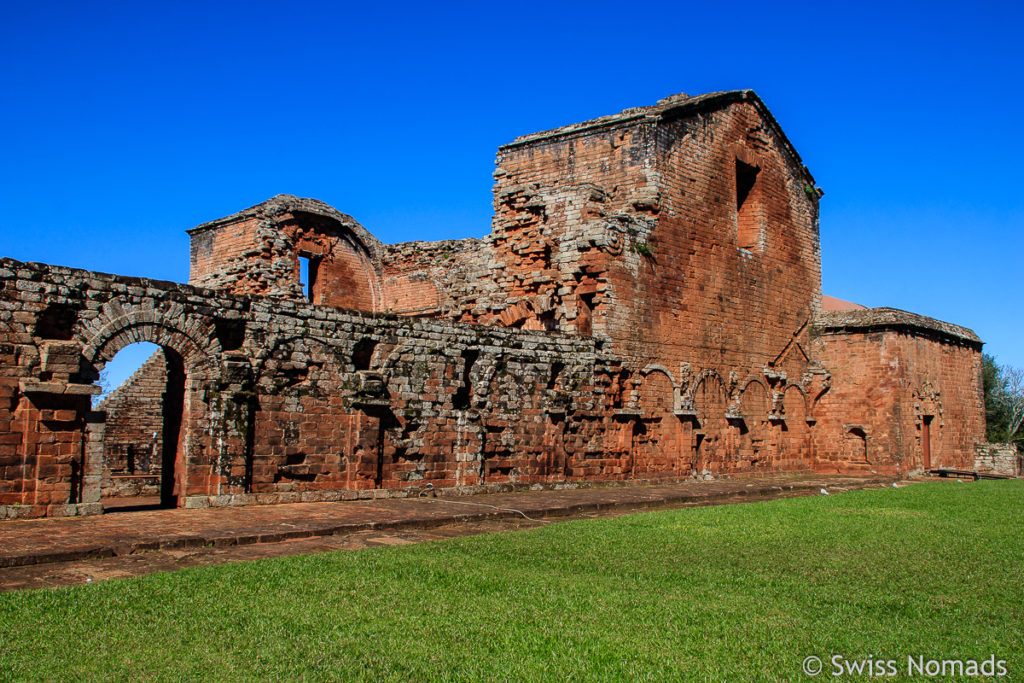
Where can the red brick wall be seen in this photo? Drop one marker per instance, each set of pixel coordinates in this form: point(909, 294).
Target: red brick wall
point(630, 230)
point(659, 269)
point(433, 278)
point(886, 383)
point(258, 251)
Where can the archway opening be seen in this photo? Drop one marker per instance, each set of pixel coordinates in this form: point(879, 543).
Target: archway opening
point(143, 402)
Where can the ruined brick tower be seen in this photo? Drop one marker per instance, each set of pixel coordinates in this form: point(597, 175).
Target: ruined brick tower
point(647, 306)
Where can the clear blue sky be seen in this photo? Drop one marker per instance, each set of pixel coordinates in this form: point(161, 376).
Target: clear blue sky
point(122, 125)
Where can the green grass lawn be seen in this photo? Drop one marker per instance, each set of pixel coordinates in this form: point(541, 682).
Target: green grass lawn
point(738, 592)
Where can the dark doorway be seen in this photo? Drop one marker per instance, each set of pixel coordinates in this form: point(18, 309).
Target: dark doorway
point(174, 407)
point(926, 442)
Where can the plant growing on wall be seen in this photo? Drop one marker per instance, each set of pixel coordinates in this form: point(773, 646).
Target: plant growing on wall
point(644, 249)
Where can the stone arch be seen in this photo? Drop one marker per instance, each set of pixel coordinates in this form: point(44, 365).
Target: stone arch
point(710, 440)
point(658, 439)
point(191, 350)
point(658, 368)
point(754, 399)
point(120, 324)
point(699, 385)
point(279, 207)
point(790, 400)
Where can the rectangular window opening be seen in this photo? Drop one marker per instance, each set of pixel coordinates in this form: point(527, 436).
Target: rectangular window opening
point(308, 269)
point(748, 219)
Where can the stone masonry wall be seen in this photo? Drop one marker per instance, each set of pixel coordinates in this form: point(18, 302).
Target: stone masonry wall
point(897, 379)
point(628, 228)
point(312, 403)
point(637, 216)
point(999, 458)
point(257, 251)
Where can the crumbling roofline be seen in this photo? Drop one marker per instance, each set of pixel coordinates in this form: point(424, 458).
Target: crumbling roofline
point(871, 319)
point(286, 203)
point(669, 109)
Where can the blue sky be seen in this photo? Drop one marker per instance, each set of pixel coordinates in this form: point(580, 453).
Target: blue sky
point(122, 125)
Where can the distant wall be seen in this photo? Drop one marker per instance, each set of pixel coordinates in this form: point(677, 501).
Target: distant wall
point(999, 458)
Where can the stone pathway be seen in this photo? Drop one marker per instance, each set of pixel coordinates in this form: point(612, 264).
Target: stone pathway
point(61, 551)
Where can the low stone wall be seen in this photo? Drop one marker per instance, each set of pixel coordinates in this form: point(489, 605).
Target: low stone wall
point(998, 458)
point(130, 485)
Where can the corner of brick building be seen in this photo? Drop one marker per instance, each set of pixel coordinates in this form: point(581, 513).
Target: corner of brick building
point(906, 393)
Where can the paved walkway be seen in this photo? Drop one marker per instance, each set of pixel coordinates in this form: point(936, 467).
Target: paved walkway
point(32, 542)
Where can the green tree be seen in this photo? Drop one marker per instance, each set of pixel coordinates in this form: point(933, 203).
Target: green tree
point(1004, 400)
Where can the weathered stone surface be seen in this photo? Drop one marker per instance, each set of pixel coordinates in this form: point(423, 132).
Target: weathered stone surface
point(646, 306)
point(999, 458)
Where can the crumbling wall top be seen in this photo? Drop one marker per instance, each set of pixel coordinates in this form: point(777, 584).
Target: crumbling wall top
point(286, 203)
point(863, 320)
point(667, 109)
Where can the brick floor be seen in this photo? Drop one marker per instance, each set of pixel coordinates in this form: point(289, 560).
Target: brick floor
point(30, 542)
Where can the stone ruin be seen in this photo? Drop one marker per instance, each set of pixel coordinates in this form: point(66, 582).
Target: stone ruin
point(647, 306)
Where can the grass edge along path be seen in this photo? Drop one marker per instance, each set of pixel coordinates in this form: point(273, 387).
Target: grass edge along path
point(744, 592)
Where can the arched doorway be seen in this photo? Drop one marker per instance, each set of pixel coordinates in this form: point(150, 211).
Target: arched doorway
point(142, 410)
point(188, 348)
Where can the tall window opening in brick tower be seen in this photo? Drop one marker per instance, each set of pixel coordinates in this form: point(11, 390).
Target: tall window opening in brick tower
point(143, 402)
point(309, 268)
point(748, 219)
